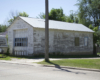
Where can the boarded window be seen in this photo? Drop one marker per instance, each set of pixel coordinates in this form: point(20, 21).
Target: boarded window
point(85, 41)
point(21, 41)
point(76, 41)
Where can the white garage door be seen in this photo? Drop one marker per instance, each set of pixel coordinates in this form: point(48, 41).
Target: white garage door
point(21, 42)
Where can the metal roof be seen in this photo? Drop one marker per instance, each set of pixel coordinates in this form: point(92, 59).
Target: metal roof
point(40, 23)
point(2, 35)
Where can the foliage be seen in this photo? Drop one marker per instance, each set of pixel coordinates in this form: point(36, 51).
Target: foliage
point(96, 34)
point(4, 57)
point(3, 28)
point(72, 18)
point(91, 27)
point(89, 15)
point(24, 14)
point(89, 12)
point(41, 15)
point(57, 14)
point(98, 38)
point(7, 53)
point(54, 14)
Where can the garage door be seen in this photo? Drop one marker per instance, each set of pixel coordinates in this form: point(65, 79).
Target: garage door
point(21, 42)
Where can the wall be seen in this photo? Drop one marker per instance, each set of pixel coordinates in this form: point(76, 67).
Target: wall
point(63, 42)
point(20, 29)
point(60, 41)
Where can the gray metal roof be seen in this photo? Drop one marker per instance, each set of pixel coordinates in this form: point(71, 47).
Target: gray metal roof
point(40, 23)
point(3, 33)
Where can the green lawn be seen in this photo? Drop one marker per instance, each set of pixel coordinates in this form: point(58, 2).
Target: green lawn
point(82, 63)
point(4, 57)
point(98, 53)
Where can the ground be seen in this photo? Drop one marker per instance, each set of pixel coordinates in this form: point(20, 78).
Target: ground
point(27, 72)
point(93, 63)
point(27, 69)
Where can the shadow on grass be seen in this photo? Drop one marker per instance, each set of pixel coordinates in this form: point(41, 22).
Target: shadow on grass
point(62, 69)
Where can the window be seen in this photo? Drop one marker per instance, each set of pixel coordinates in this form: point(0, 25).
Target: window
point(85, 41)
point(21, 41)
point(76, 41)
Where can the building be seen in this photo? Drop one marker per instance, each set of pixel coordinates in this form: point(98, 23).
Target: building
point(3, 44)
point(26, 36)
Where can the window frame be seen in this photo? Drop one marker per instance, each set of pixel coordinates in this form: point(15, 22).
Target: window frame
point(21, 42)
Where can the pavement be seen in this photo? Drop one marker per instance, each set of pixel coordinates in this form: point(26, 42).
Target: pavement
point(27, 72)
point(33, 62)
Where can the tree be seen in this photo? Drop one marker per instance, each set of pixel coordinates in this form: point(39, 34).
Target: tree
point(98, 40)
point(12, 18)
point(96, 37)
point(57, 14)
point(72, 18)
point(41, 16)
point(0, 29)
point(54, 14)
point(91, 27)
point(89, 15)
point(3, 28)
point(89, 12)
point(24, 14)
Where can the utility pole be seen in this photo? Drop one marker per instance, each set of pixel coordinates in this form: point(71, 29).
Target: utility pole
point(46, 32)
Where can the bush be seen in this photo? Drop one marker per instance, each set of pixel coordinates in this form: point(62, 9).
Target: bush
point(8, 51)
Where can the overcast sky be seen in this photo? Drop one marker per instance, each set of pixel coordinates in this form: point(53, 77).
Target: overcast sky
point(33, 7)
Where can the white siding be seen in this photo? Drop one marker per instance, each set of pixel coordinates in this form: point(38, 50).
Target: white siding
point(20, 29)
point(62, 41)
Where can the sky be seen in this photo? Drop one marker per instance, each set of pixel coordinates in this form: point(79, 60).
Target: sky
point(33, 7)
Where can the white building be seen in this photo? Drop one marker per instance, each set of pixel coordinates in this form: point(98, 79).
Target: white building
point(26, 36)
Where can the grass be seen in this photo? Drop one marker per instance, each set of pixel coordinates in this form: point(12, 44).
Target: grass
point(98, 53)
point(81, 63)
point(4, 57)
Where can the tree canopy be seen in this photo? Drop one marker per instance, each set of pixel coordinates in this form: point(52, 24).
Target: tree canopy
point(89, 12)
point(13, 17)
point(58, 15)
point(3, 28)
point(24, 14)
